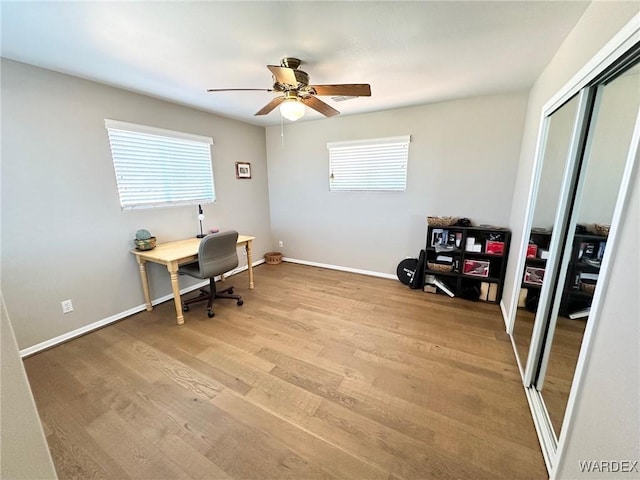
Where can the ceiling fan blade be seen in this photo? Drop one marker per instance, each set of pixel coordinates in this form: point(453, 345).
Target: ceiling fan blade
point(347, 89)
point(319, 106)
point(239, 90)
point(284, 75)
point(270, 106)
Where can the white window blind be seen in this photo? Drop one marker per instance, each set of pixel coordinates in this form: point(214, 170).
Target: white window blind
point(369, 165)
point(159, 168)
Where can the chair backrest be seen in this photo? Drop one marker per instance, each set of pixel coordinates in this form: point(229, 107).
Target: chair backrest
point(217, 253)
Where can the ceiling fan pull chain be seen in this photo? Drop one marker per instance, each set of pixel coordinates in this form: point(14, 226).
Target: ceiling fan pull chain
point(282, 131)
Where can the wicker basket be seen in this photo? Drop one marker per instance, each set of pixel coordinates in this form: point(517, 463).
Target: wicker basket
point(601, 229)
point(273, 258)
point(439, 267)
point(441, 221)
point(588, 287)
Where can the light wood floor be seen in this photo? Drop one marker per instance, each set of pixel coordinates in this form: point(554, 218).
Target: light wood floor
point(321, 374)
point(565, 349)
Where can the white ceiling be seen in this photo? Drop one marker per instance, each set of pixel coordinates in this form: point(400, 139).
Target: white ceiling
point(410, 52)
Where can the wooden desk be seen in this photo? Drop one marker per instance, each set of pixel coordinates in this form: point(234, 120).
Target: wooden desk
point(174, 254)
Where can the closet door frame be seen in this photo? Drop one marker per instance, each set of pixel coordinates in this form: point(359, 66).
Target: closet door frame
point(581, 83)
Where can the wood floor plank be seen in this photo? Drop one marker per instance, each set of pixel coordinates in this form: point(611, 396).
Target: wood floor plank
point(389, 449)
point(320, 374)
point(304, 442)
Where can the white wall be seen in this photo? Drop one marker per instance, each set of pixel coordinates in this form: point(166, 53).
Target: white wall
point(462, 162)
point(64, 235)
point(23, 449)
point(606, 424)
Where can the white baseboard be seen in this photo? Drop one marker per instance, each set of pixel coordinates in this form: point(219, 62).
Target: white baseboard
point(118, 316)
point(505, 316)
point(343, 269)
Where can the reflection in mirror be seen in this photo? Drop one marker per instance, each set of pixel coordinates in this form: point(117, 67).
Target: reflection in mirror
point(553, 163)
point(603, 166)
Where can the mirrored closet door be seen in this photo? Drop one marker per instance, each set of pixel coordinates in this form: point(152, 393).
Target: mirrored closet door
point(612, 122)
point(587, 149)
point(560, 125)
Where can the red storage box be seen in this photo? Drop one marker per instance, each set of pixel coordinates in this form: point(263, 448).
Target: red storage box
point(532, 251)
point(494, 248)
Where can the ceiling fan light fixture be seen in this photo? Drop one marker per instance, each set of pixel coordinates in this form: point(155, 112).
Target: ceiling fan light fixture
point(292, 109)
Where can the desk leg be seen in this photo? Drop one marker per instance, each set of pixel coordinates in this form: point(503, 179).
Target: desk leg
point(175, 286)
point(145, 282)
point(248, 247)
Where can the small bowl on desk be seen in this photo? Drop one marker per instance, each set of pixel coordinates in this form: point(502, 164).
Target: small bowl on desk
point(146, 244)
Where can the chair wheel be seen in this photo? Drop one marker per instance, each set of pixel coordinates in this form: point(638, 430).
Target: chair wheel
point(240, 302)
point(211, 314)
point(185, 308)
point(230, 291)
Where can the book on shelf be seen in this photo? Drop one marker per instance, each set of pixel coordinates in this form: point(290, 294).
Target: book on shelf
point(522, 298)
point(443, 287)
point(589, 276)
point(580, 314)
point(484, 291)
point(493, 292)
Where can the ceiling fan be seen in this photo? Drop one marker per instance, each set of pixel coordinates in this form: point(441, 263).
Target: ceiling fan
point(296, 92)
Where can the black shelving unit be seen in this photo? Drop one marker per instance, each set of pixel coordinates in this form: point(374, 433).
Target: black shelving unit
point(535, 266)
point(586, 253)
point(478, 260)
point(584, 267)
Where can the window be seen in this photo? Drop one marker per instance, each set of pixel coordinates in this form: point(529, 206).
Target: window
point(160, 168)
point(378, 164)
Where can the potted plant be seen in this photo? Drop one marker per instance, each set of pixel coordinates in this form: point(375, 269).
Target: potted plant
point(144, 240)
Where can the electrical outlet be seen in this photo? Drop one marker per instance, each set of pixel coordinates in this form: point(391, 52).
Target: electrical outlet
point(67, 306)
point(280, 243)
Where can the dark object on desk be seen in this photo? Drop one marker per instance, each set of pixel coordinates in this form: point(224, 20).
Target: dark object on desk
point(463, 222)
point(217, 255)
point(200, 218)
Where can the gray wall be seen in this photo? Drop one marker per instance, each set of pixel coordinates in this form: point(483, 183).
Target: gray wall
point(23, 448)
point(462, 162)
point(607, 418)
point(64, 235)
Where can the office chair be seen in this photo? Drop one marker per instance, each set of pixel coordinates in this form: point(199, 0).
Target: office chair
point(216, 255)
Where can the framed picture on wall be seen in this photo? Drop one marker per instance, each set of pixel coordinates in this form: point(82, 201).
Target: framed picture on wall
point(243, 170)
